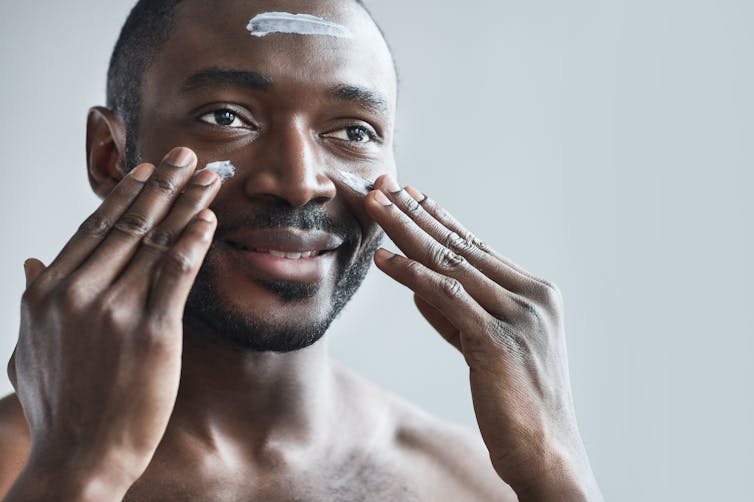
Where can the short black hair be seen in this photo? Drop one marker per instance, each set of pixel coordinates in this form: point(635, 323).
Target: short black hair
point(147, 27)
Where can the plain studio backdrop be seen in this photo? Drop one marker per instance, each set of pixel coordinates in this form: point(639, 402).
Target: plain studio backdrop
point(603, 144)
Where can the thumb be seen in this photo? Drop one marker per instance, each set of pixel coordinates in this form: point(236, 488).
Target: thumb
point(32, 268)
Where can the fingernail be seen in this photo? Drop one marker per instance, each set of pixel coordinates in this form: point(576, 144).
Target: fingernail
point(205, 178)
point(384, 254)
point(206, 215)
point(382, 198)
point(416, 194)
point(390, 184)
point(142, 172)
point(180, 157)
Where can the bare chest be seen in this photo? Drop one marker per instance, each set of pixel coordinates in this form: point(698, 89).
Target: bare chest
point(327, 484)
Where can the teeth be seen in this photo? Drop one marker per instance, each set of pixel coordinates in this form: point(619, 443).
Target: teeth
point(289, 256)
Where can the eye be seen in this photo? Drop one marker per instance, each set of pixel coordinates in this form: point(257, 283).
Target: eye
point(354, 134)
point(223, 118)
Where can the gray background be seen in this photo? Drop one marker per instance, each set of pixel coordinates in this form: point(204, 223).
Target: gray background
point(605, 145)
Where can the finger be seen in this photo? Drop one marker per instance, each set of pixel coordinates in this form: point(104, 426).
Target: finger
point(489, 259)
point(420, 246)
point(464, 244)
point(32, 269)
point(198, 195)
point(438, 321)
point(94, 229)
point(178, 268)
point(444, 293)
point(149, 208)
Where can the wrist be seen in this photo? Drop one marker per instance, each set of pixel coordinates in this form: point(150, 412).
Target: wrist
point(553, 477)
point(69, 482)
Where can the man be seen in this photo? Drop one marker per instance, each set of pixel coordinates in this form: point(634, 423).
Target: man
point(141, 376)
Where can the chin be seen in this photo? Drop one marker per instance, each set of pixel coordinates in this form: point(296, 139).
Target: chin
point(267, 315)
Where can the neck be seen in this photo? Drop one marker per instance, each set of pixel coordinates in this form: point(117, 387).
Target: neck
point(261, 400)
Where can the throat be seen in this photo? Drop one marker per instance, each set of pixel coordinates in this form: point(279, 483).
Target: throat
point(262, 400)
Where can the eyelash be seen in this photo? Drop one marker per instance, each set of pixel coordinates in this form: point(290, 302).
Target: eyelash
point(369, 131)
point(214, 114)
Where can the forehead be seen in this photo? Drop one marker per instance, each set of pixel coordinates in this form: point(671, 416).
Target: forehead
point(210, 34)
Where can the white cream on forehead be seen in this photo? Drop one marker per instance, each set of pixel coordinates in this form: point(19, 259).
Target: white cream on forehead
point(300, 24)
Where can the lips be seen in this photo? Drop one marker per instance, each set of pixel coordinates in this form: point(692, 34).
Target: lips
point(284, 253)
point(284, 240)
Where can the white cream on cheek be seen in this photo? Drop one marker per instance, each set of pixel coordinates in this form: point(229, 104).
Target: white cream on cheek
point(223, 168)
point(300, 24)
point(356, 183)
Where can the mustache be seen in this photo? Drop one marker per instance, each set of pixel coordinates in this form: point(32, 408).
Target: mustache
point(308, 217)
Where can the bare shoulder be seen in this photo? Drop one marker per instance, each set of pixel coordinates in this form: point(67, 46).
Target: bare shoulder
point(445, 461)
point(455, 456)
point(14, 441)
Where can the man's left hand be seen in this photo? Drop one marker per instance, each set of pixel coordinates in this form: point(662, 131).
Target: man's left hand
point(508, 324)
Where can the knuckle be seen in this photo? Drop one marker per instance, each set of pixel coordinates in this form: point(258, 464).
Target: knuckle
point(72, 298)
point(550, 294)
point(456, 243)
point(412, 206)
point(444, 259)
point(526, 306)
point(133, 224)
point(112, 315)
point(162, 185)
point(553, 292)
point(96, 225)
point(178, 263)
point(483, 246)
point(429, 205)
point(452, 288)
point(159, 238)
point(532, 314)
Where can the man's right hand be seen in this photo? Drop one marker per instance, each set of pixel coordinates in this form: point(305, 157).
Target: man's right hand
point(97, 364)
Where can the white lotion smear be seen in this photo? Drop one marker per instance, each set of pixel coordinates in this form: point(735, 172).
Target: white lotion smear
point(300, 24)
point(223, 168)
point(357, 183)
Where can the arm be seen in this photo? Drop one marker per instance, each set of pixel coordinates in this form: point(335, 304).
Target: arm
point(508, 325)
point(97, 363)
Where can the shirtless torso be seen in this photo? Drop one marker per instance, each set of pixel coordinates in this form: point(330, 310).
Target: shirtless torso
point(387, 450)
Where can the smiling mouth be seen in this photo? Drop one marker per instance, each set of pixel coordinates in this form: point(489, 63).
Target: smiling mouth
point(289, 255)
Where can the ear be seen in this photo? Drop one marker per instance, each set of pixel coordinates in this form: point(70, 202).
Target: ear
point(105, 150)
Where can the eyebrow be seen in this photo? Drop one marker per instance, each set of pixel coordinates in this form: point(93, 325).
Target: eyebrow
point(363, 97)
point(215, 77)
point(223, 77)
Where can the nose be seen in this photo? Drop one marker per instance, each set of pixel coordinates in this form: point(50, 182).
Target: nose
point(289, 166)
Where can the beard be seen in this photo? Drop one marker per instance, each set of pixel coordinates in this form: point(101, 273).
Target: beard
point(230, 324)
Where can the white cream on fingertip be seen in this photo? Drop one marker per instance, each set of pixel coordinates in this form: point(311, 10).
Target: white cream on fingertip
point(224, 169)
point(299, 24)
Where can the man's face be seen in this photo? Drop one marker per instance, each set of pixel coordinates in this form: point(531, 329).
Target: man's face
point(291, 112)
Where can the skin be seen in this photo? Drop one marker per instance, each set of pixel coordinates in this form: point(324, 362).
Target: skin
point(119, 396)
